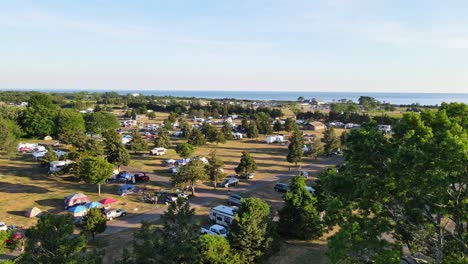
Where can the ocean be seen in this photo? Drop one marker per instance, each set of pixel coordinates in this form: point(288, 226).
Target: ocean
point(393, 98)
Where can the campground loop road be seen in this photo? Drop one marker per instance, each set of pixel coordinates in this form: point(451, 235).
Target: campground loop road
point(204, 196)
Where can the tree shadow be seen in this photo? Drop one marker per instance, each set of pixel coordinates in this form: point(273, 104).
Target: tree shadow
point(21, 188)
point(18, 213)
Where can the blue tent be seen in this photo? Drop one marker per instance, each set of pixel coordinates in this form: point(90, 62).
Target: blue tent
point(78, 209)
point(93, 205)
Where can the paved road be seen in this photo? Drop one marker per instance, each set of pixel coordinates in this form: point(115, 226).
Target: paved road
point(204, 196)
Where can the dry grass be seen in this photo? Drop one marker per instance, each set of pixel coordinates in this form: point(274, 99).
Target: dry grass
point(25, 184)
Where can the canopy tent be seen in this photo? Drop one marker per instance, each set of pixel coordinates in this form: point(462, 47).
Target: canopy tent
point(93, 205)
point(74, 199)
point(108, 201)
point(33, 212)
point(78, 210)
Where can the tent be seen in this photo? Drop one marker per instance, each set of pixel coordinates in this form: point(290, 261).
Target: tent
point(127, 189)
point(93, 205)
point(107, 201)
point(78, 210)
point(74, 199)
point(33, 212)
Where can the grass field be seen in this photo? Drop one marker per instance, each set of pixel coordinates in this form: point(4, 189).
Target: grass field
point(24, 183)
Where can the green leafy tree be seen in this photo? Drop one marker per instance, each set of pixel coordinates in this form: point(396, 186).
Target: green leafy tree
point(245, 123)
point(251, 232)
point(368, 102)
point(53, 240)
point(214, 168)
point(69, 123)
point(172, 117)
point(289, 124)
point(252, 131)
point(216, 250)
point(316, 148)
point(38, 120)
point(185, 150)
point(190, 174)
point(95, 222)
point(98, 122)
point(95, 171)
point(175, 242)
point(151, 115)
point(407, 186)
point(137, 143)
point(296, 144)
point(264, 123)
point(331, 140)
point(277, 126)
point(360, 233)
point(9, 134)
point(300, 99)
point(299, 217)
point(196, 138)
point(87, 146)
point(246, 165)
point(116, 153)
point(227, 131)
point(163, 140)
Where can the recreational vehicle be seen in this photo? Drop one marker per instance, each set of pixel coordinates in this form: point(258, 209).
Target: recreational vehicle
point(222, 215)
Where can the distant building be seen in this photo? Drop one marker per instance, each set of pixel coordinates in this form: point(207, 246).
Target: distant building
point(314, 126)
point(317, 102)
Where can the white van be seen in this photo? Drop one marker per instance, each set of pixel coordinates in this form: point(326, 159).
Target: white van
point(56, 166)
point(222, 215)
point(158, 151)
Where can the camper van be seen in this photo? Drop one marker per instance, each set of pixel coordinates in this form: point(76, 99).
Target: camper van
point(56, 166)
point(222, 215)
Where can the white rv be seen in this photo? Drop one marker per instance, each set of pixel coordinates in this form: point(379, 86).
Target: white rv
point(56, 166)
point(222, 215)
point(274, 139)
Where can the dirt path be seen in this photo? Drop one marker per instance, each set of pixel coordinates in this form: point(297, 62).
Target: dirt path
point(205, 196)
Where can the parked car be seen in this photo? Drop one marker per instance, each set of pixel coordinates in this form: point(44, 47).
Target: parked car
point(172, 170)
point(3, 226)
point(141, 177)
point(114, 213)
point(214, 230)
point(231, 181)
point(234, 199)
point(281, 187)
point(125, 176)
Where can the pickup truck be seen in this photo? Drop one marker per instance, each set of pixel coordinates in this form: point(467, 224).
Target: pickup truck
point(214, 230)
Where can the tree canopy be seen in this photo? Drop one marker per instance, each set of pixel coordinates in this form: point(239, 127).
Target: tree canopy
point(95, 171)
point(185, 150)
point(246, 165)
point(190, 173)
point(411, 186)
point(296, 144)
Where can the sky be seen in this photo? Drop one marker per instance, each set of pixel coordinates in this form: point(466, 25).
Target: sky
point(265, 45)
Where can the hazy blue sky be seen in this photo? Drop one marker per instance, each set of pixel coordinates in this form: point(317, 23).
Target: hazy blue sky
point(336, 45)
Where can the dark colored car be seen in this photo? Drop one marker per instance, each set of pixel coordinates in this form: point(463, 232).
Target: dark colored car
point(234, 199)
point(141, 177)
point(281, 187)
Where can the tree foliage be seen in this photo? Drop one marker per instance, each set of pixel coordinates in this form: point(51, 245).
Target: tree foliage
point(190, 173)
point(411, 186)
point(196, 138)
point(277, 126)
point(95, 222)
point(216, 250)
point(38, 120)
point(116, 153)
point(173, 243)
point(95, 171)
point(296, 143)
point(251, 232)
point(246, 165)
point(98, 122)
point(252, 131)
point(214, 168)
point(331, 140)
point(52, 240)
point(9, 134)
point(185, 150)
point(289, 124)
point(69, 123)
point(137, 143)
point(299, 217)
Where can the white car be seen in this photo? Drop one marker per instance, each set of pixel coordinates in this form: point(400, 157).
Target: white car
point(3, 226)
point(114, 213)
point(231, 181)
point(158, 151)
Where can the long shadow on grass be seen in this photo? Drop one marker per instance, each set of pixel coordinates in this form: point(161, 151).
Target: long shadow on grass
point(21, 188)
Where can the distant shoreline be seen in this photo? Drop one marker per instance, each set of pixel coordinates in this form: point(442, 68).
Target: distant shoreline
point(430, 99)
